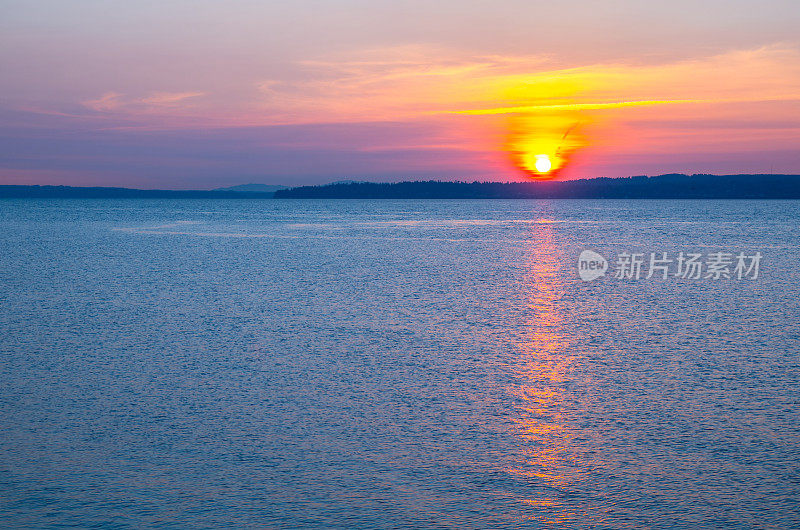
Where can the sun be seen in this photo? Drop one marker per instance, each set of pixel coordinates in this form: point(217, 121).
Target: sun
point(542, 163)
point(539, 164)
point(541, 145)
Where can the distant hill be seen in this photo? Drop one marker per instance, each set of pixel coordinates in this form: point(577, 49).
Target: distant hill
point(672, 186)
point(76, 192)
point(258, 188)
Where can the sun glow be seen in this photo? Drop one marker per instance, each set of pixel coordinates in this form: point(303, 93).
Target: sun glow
point(542, 144)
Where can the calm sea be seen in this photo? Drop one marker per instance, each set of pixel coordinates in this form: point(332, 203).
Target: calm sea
point(395, 364)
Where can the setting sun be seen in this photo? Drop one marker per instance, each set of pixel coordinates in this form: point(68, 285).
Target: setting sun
point(542, 163)
point(541, 144)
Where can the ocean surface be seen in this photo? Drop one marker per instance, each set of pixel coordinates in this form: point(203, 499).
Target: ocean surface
point(396, 364)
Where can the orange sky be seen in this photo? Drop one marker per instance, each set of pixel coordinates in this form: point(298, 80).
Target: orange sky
point(197, 95)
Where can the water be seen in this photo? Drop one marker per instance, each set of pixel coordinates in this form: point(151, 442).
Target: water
point(394, 364)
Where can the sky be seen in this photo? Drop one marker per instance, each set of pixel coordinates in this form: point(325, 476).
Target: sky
point(195, 94)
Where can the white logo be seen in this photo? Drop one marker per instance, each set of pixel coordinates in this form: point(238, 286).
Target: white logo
point(591, 265)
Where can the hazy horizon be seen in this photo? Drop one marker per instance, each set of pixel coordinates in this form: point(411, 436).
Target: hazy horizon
point(392, 181)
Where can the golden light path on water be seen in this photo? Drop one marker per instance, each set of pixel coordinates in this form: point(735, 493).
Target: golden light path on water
point(542, 368)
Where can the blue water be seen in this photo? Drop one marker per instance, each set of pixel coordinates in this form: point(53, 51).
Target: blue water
point(394, 364)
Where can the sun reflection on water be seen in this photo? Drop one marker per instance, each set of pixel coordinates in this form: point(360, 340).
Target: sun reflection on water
point(542, 367)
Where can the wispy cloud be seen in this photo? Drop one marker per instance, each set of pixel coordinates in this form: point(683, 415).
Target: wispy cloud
point(414, 82)
point(572, 106)
point(169, 98)
point(117, 102)
point(109, 101)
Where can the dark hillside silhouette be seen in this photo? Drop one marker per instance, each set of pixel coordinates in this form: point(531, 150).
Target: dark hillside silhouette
point(672, 186)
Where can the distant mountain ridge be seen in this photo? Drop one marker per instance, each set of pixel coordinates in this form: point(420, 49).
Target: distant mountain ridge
point(78, 192)
point(670, 186)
